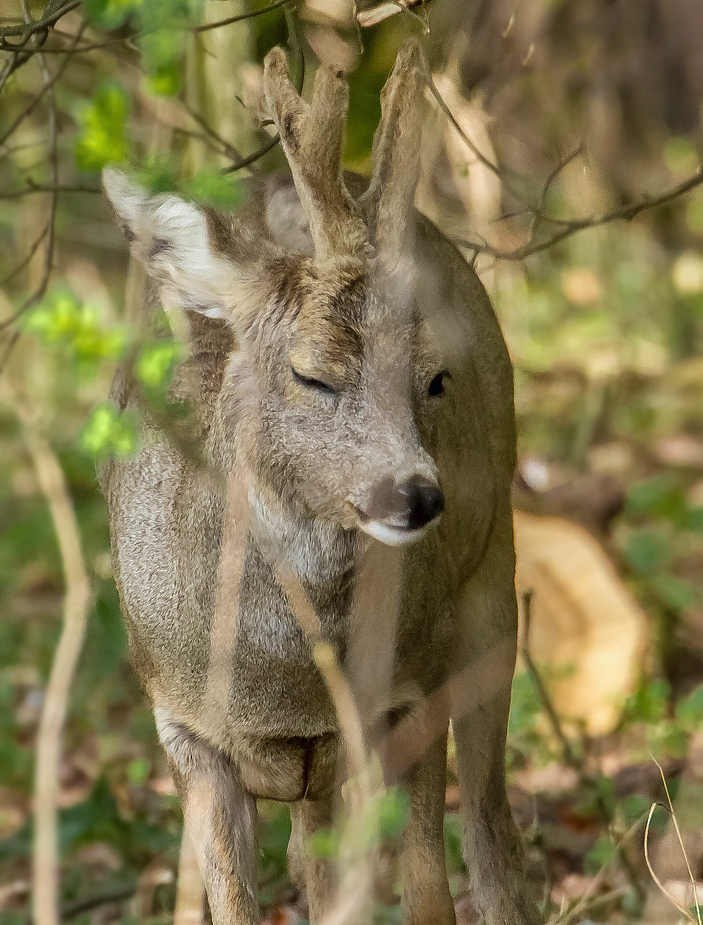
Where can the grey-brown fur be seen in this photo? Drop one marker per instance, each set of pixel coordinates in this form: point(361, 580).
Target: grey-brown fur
point(360, 294)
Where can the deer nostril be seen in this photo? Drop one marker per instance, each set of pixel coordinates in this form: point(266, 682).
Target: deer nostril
point(424, 501)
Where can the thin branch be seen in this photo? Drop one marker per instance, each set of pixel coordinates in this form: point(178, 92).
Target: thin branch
point(54, 190)
point(35, 99)
point(226, 147)
point(588, 900)
point(551, 179)
point(241, 16)
point(253, 157)
point(88, 903)
point(569, 757)
point(626, 213)
point(679, 838)
point(20, 266)
point(687, 915)
point(76, 606)
point(19, 58)
point(26, 30)
point(91, 46)
point(297, 48)
point(49, 188)
point(480, 156)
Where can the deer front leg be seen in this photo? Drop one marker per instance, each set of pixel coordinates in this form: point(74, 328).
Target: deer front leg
point(220, 818)
point(316, 874)
point(480, 694)
point(426, 899)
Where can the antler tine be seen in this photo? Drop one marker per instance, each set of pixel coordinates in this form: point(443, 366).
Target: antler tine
point(312, 137)
point(396, 152)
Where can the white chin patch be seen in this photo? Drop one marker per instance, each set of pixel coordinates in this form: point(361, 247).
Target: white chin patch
point(391, 536)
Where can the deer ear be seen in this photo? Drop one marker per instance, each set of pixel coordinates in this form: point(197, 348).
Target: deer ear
point(174, 241)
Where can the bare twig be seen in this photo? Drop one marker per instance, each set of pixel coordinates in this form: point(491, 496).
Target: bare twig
point(23, 263)
point(33, 102)
point(25, 30)
point(626, 213)
point(90, 46)
point(297, 49)
point(226, 147)
point(588, 900)
point(45, 864)
point(49, 236)
point(242, 16)
point(679, 838)
point(562, 165)
point(88, 903)
point(480, 156)
point(253, 157)
point(569, 757)
point(687, 915)
point(76, 606)
point(49, 188)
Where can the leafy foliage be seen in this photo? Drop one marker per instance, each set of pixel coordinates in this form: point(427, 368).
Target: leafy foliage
point(111, 433)
point(103, 138)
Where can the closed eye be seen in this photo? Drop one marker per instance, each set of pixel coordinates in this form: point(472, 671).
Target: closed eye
point(312, 383)
point(436, 387)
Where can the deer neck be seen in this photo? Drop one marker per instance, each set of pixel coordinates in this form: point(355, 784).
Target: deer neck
point(321, 554)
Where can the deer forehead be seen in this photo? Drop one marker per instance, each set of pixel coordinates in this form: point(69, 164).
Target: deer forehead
point(344, 322)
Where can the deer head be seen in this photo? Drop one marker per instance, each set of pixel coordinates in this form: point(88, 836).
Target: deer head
point(348, 379)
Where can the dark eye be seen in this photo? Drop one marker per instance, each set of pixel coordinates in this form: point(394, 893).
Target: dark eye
point(312, 383)
point(436, 387)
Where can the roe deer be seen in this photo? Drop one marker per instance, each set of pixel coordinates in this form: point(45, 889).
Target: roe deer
point(348, 373)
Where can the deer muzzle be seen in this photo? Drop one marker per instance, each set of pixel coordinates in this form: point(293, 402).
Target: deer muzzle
point(400, 512)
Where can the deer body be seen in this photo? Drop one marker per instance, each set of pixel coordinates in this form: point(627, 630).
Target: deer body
point(337, 385)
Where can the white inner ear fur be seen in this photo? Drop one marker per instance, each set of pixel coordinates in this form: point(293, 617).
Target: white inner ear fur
point(171, 238)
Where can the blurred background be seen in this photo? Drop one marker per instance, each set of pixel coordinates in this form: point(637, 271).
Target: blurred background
point(562, 152)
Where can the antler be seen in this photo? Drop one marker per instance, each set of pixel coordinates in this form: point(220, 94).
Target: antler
point(389, 198)
point(312, 136)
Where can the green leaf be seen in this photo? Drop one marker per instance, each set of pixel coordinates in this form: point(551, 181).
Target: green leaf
point(453, 843)
point(323, 844)
point(689, 711)
point(165, 79)
point(103, 121)
point(680, 156)
point(391, 810)
point(650, 703)
point(600, 855)
point(165, 24)
point(675, 593)
point(525, 704)
point(138, 770)
point(109, 433)
point(110, 14)
point(694, 213)
point(158, 177)
point(61, 320)
point(694, 520)
point(156, 362)
point(56, 319)
point(634, 808)
point(647, 551)
point(661, 496)
point(211, 188)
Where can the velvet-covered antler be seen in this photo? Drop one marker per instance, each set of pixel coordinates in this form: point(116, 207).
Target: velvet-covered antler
point(312, 136)
point(396, 154)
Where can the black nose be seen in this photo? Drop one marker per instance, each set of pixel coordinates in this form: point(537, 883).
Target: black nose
point(423, 501)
